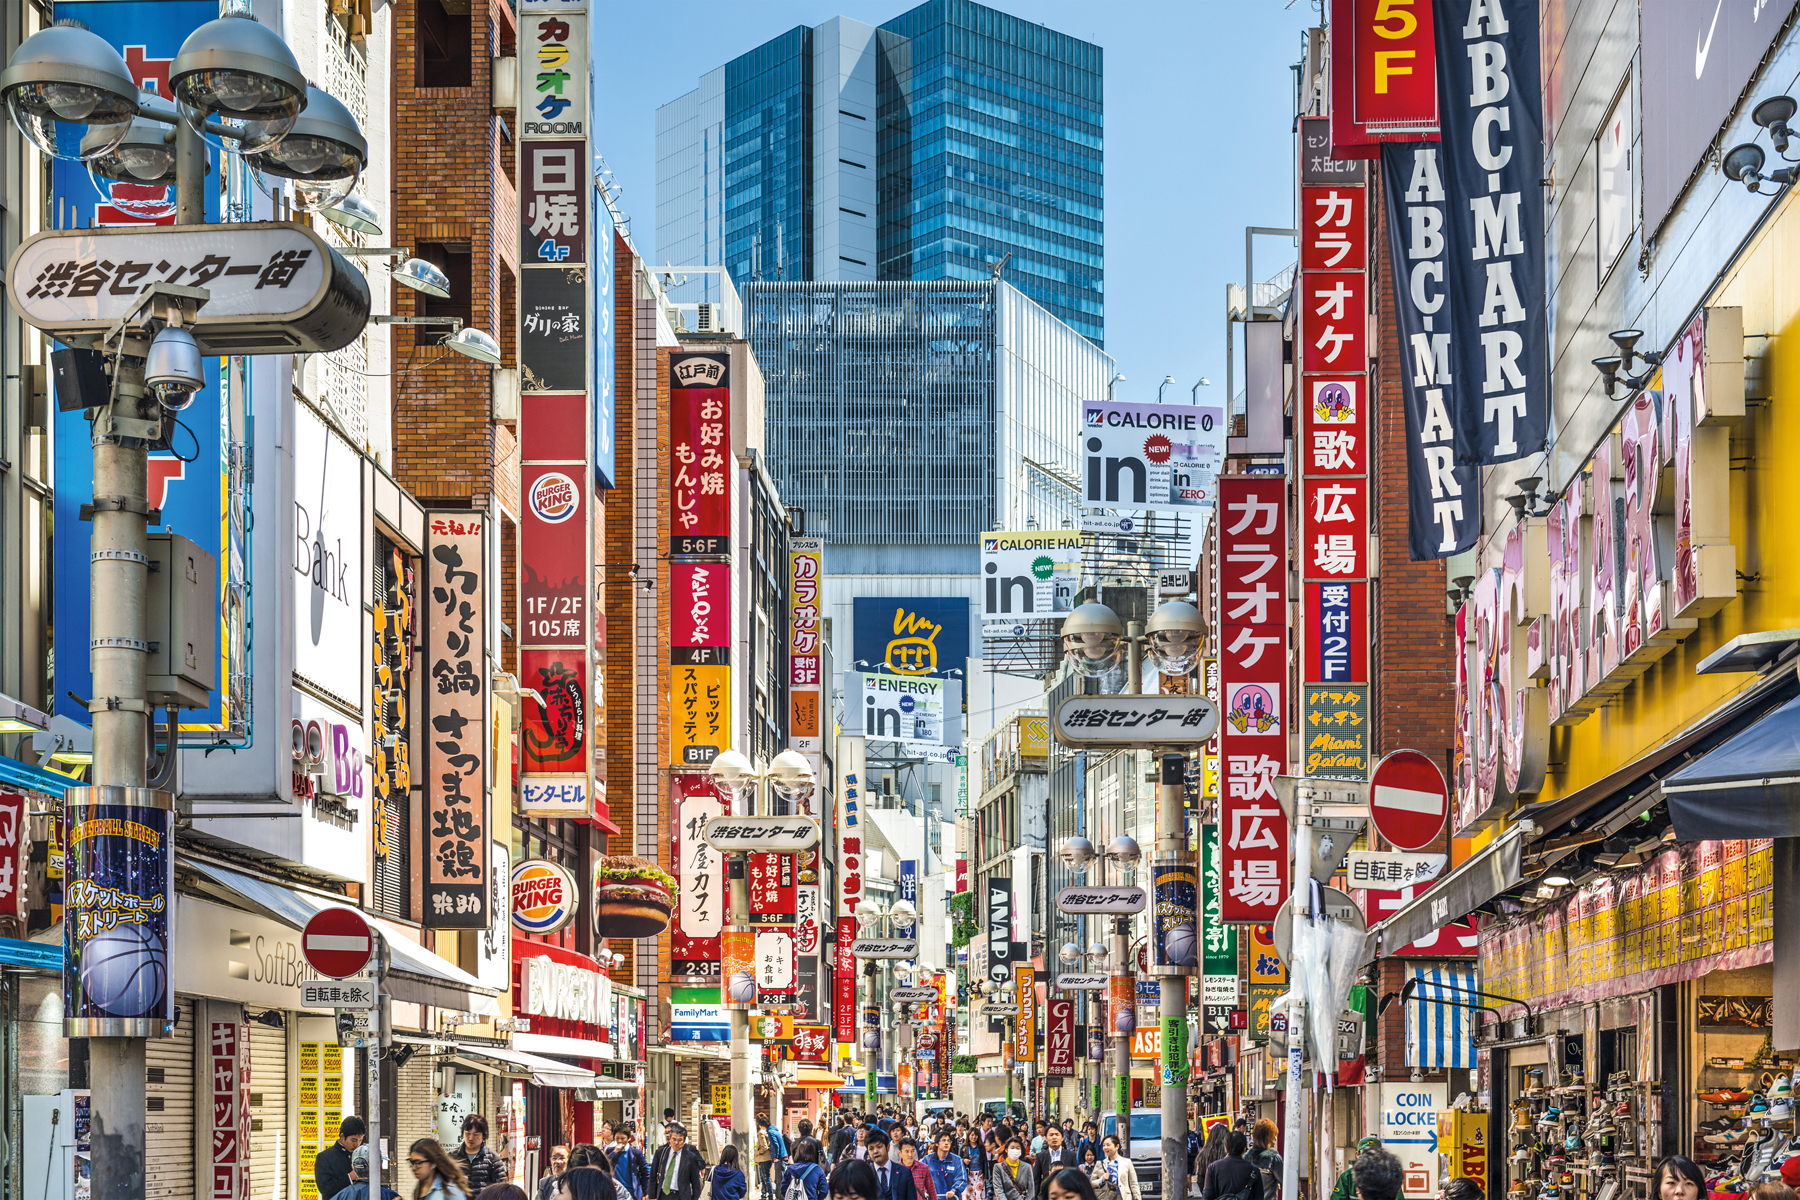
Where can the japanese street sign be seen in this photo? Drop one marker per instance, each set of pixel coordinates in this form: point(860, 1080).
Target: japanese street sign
point(761, 833)
point(457, 891)
point(1334, 730)
point(1408, 800)
point(276, 287)
point(1140, 722)
point(1393, 869)
point(913, 995)
point(885, 947)
point(1100, 900)
point(333, 993)
point(336, 942)
point(1086, 982)
point(1332, 836)
point(999, 1010)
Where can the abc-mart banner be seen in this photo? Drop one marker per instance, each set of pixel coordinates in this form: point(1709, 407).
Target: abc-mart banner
point(1151, 456)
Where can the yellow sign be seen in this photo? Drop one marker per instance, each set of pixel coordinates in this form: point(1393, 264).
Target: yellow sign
point(700, 714)
point(721, 1099)
point(1463, 1136)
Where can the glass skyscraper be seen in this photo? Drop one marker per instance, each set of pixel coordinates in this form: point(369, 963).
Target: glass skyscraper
point(932, 147)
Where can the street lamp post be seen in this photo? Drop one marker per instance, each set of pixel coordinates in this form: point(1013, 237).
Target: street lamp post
point(788, 777)
point(71, 93)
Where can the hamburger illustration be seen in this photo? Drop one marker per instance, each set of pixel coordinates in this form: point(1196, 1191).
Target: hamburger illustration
point(632, 897)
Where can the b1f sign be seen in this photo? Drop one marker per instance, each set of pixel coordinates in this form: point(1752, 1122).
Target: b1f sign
point(1151, 456)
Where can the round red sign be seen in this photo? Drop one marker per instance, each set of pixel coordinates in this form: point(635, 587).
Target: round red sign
point(337, 942)
point(1408, 800)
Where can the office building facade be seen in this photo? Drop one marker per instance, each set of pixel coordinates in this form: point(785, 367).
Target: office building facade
point(938, 146)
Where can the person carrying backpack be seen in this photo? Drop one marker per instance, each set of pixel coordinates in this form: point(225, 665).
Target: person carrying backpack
point(1231, 1178)
point(805, 1179)
point(1264, 1158)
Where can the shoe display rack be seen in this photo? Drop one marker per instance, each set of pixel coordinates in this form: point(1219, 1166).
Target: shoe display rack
point(1574, 1137)
point(1750, 1131)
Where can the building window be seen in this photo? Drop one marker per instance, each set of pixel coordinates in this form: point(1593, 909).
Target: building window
point(442, 46)
point(1616, 195)
point(454, 262)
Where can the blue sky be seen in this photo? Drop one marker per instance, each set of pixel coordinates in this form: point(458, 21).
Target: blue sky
point(1198, 143)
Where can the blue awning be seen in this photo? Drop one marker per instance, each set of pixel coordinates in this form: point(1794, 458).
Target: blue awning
point(47, 956)
point(36, 779)
point(1440, 1019)
point(1746, 787)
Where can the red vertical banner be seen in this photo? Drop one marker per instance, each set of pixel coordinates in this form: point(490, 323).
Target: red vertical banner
point(843, 977)
point(228, 1089)
point(699, 916)
point(772, 898)
point(1383, 76)
point(1059, 1037)
point(700, 453)
point(1333, 502)
point(1253, 603)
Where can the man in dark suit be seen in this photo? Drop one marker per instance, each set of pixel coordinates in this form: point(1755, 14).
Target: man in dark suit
point(677, 1172)
point(892, 1180)
point(1052, 1158)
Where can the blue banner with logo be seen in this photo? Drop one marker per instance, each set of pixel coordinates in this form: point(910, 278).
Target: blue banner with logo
point(911, 635)
point(1491, 115)
point(185, 480)
point(119, 901)
point(909, 892)
point(1443, 494)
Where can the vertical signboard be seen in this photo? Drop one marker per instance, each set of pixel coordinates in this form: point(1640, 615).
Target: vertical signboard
point(806, 627)
point(700, 880)
point(228, 1121)
point(1333, 497)
point(456, 714)
point(698, 471)
point(1025, 1027)
point(1059, 1037)
point(849, 761)
point(1253, 676)
point(562, 227)
point(843, 980)
point(1219, 941)
point(1383, 79)
point(14, 842)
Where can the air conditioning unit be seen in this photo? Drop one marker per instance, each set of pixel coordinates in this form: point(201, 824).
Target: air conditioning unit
point(710, 318)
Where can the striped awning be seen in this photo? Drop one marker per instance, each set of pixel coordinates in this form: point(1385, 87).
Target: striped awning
point(1440, 1018)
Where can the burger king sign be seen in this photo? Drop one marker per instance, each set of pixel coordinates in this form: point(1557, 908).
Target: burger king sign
point(543, 897)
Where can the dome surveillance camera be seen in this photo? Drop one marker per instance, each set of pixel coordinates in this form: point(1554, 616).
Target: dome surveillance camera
point(172, 370)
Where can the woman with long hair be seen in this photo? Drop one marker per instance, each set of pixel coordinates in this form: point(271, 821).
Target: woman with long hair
point(1119, 1171)
point(728, 1180)
point(1071, 1183)
point(436, 1175)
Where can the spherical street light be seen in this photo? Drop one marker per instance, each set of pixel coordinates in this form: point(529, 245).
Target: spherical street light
point(1092, 640)
point(323, 153)
point(1124, 851)
point(476, 344)
point(869, 909)
point(1070, 953)
point(1077, 853)
point(903, 911)
point(791, 775)
point(146, 154)
point(1100, 954)
point(235, 70)
point(1175, 632)
point(70, 92)
point(422, 276)
point(356, 214)
point(733, 773)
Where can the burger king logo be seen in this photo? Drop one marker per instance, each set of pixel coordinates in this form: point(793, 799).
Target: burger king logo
point(554, 497)
point(543, 896)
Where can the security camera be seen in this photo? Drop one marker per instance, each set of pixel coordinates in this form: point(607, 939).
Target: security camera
point(173, 370)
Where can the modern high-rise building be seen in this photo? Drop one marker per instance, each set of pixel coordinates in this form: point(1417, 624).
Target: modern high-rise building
point(950, 143)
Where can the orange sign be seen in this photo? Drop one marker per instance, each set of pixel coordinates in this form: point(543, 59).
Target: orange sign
point(1025, 985)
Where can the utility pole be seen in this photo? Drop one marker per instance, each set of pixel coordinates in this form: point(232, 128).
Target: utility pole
point(1134, 685)
point(1172, 858)
point(743, 1097)
point(118, 569)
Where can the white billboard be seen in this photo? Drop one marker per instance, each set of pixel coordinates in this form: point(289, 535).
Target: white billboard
point(326, 587)
point(1151, 456)
point(1028, 575)
point(902, 708)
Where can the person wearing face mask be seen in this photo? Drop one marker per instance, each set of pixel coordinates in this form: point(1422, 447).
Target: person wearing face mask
point(1012, 1178)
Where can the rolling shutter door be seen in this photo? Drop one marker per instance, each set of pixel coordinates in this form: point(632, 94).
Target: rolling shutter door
point(169, 1121)
point(268, 1119)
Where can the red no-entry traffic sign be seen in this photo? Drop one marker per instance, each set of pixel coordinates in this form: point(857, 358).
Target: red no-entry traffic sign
point(337, 942)
point(1408, 800)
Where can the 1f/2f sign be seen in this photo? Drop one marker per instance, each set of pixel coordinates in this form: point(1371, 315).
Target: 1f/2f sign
point(1151, 456)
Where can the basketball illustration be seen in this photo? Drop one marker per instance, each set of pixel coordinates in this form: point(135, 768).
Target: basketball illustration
point(124, 970)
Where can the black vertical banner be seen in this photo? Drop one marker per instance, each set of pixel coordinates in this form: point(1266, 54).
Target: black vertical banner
point(1443, 495)
point(998, 926)
point(1491, 108)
